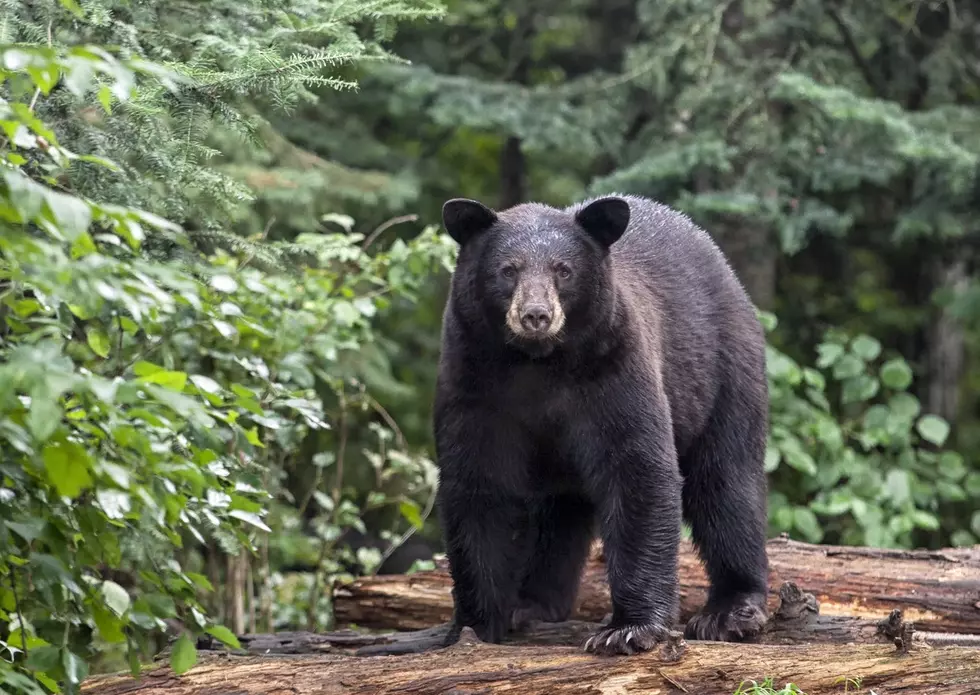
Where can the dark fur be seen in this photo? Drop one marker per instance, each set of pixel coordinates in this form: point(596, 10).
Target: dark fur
point(651, 403)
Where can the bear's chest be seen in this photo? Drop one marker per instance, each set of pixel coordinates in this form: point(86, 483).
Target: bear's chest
point(542, 403)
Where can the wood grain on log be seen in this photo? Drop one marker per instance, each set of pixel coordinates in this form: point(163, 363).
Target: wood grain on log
point(473, 667)
point(936, 590)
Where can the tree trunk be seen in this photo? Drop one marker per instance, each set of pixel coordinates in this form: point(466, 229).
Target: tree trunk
point(474, 667)
point(513, 176)
point(235, 610)
point(938, 591)
point(750, 249)
point(946, 345)
point(797, 620)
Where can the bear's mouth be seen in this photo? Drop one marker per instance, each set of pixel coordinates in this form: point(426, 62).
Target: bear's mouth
point(534, 343)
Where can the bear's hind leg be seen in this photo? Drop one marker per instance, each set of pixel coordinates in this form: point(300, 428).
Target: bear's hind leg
point(724, 500)
point(557, 549)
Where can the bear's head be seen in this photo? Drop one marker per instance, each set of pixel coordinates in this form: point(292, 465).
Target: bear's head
point(534, 274)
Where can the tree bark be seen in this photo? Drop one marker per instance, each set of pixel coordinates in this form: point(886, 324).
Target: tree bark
point(797, 620)
point(235, 595)
point(947, 344)
point(513, 176)
point(753, 254)
point(937, 591)
point(474, 667)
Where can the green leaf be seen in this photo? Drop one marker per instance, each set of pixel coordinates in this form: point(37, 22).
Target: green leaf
point(250, 518)
point(972, 484)
point(896, 374)
point(45, 659)
point(877, 417)
point(905, 406)
point(72, 7)
point(252, 436)
point(796, 457)
point(110, 627)
point(899, 486)
point(30, 530)
point(806, 523)
point(67, 465)
point(220, 632)
point(950, 492)
point(951, 465)
point(115, 597)
point(175, 381)
point(133, 656)
point(224, 283)
point(75, 667)
point(205, 383)
point(98, 340)
point(411, 512)
point(933, 429)
point(848, 367)
point(44, 417)
point(48, 682)
point(828, 354)
point(71, 214)
point(142, 368)
point(200, 580)
point(962, 538)
point(859, 389)
point(866, 347)
point(924, 519)
point(772, 459)
point(184, 655)
point(105, 98)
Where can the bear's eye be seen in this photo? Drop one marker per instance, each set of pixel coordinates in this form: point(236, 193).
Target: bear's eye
point(564, 272)
point(509, 272)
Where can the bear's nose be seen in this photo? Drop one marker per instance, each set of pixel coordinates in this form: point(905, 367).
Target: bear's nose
point(536, 317)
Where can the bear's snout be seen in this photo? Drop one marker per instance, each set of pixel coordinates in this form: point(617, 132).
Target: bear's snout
point(536, 318)
point(535, 311)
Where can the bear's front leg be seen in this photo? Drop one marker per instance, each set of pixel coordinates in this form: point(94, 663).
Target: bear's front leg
point(484, 532)
point(637, 485)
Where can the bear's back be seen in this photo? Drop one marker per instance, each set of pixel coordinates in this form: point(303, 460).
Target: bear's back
point(694, 313)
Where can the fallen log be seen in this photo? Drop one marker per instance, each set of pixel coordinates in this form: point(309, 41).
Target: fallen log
point(797, 620)
point(474, 667)
point(936, 590)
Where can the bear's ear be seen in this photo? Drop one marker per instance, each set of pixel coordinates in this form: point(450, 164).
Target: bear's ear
point(464, 218)
point(605, 219)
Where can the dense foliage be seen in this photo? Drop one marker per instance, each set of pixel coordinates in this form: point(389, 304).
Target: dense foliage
point(221, 280)
point(156, 392)
point(831, 148)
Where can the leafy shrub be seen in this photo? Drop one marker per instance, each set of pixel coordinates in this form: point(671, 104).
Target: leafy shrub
point(852, 458)
point(145, 404)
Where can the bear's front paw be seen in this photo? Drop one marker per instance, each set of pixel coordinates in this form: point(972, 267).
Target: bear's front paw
point(743, 621)
point(628, 639)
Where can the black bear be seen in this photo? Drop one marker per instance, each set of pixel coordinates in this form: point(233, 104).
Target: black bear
point(602, 370)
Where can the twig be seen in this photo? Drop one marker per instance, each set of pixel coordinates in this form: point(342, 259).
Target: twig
point(37, 92)
point(119, 344)
point(262, 237)
point(20, 616)
point(852, 48)
point(672, 681)
point(372, 237)
point(389, 420)
point(402, 443)
point(429, 505)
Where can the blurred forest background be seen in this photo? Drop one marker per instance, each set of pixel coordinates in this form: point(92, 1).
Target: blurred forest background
point(222, 275)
